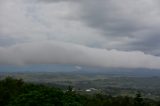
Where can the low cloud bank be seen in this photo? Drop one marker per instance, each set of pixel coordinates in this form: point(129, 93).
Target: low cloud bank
point(67, 53)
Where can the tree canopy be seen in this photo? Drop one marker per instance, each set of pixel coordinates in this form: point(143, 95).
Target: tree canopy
point(16, 92)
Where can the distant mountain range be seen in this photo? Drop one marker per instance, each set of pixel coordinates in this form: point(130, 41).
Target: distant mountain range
point(80, 70)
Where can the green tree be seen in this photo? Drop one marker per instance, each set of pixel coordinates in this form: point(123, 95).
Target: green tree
point(138, 100)
point(9, 88)
point(45, 97)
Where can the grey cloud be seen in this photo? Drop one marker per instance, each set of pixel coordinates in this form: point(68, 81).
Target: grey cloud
point(125, 25)
point(6, 41)
point(66, 53)
point(120, 19)
point(50, 1)
point(9, 40)
point(105, 16)
point(149, 45)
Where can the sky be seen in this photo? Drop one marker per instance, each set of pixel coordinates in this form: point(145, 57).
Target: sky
point(99, 33)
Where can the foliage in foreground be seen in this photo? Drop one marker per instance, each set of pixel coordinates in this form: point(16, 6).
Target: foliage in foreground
point(15, 92)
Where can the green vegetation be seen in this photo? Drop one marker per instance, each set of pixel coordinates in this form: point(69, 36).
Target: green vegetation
point(15, 92)
point(114, 85)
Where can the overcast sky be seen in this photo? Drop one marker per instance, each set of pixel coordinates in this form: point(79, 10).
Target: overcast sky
point(102, 33)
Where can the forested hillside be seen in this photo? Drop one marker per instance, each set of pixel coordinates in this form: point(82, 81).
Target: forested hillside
point(16, 92)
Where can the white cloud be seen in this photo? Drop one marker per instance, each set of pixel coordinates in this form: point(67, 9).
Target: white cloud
point(49, 31)
point(78, 67)
point(37, 22)
point(67, 53)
